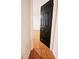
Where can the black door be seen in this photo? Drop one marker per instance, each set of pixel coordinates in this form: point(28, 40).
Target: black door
point(46, 22)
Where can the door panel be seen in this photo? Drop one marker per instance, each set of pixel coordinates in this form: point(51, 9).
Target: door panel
point(46, 22)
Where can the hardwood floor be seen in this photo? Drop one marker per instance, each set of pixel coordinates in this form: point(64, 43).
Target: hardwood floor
point(40, 51)
point(36, 40)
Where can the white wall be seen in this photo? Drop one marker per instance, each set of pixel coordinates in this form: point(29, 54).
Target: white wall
point(55, 44)
point(36, 13)
point(54, 40)
point(25, 28)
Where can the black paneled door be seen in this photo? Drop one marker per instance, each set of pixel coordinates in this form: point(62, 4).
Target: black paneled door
point(46, 23)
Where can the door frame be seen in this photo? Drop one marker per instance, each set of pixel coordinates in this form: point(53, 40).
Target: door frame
point(54, 19)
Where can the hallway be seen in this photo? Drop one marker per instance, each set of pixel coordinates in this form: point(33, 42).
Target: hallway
point(40, 51)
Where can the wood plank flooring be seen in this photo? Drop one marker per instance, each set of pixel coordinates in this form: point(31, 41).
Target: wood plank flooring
point(41, 54)
point(40, 51)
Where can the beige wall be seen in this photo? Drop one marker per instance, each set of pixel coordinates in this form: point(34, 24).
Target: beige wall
point(25, 28)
